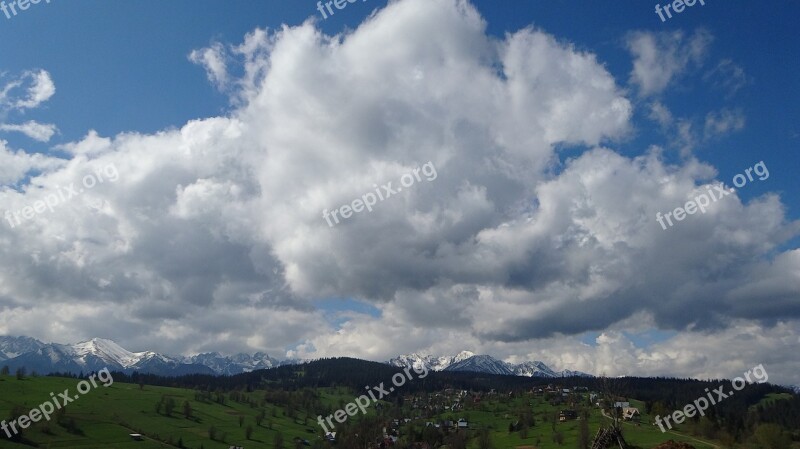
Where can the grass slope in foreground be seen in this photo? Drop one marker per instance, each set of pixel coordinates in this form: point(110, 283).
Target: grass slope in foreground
point(105, 416)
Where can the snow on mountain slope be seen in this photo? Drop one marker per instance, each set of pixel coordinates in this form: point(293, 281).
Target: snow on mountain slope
point(108, 351)
point(11, 347)
point(238, 363)
point(431, 363)
point(482, 364)
point(99, 353)
point(534, 369)
point(468, 361)
point(462, 356)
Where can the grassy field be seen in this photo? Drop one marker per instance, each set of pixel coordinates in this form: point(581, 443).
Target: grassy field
point(105, 416)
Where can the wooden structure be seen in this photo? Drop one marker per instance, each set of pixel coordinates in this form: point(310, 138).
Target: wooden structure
point(609, 437)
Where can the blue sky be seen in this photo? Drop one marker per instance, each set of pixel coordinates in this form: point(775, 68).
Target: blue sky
point(122, 66)
point(227, 174)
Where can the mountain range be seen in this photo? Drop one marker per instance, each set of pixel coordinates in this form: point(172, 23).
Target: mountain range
point(98, 353)
point(470, 362)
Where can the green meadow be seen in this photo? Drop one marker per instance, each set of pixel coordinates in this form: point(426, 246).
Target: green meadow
point(106, 416)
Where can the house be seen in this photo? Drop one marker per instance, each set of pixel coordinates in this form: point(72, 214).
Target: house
point(137, 436)
point(463, 424)
point(622, 404)
point(566, 415)
point(631, 414)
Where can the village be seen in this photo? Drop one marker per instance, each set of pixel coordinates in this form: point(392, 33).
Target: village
point(452, 413)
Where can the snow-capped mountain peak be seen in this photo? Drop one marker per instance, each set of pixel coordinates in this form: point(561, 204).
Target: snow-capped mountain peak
point(534, 369)
point(431, 363)
point(463, 355)
point(236, 363)
point(108, 351)
point(482, 364)
point(468, 361)
point(11, 347)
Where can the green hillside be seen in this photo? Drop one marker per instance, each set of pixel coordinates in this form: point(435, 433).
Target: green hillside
point(104, 417)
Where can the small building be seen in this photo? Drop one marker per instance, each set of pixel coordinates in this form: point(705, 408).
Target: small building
point(631, 414)
point(137, 436)
point(567, 415)
point(463, 424)
point(622, 404)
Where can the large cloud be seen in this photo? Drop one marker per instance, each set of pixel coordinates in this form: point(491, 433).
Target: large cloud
point(213, 236)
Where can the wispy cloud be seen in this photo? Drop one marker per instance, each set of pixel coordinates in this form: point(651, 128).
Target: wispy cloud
point(661, 58)
point(212, 59)
point(723, 122)
point(35, 130)
point(36, 86)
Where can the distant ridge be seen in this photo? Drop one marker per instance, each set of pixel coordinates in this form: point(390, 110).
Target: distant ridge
point(98, 353)
point(469, 362)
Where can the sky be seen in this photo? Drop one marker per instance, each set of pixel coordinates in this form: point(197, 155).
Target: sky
point(576, 182)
